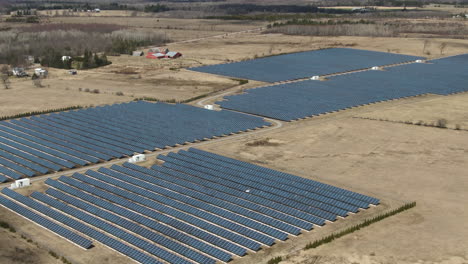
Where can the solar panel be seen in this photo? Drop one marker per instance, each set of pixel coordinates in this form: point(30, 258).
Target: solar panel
point(305, 64)
point(169, 220)
point(310, 98)
point(66, 139)
point(198, 207)
point(46, 223)
point(120, 232)
point(178, 236)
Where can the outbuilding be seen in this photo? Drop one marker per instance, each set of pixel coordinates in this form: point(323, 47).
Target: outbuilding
point(138, 53)
point(173, 55)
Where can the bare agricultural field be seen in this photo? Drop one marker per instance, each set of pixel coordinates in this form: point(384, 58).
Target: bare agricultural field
point(210, 25)
point(382, 159)
point(126, 79)
point(254, 45)
point(451, 108)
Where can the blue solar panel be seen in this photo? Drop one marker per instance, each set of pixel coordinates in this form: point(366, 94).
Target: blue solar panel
point(225, 172)
point(121, 233)
point(255, 190)
point(340, 201)
point(86, 136)
point(29, 157)
point(210, 181)
point(194, 191)
point(308, 98)
point(305, 64)
point(46, 223)
point(145, 211)
point(23, 162)
point(43, 135)
point(178, 236)
point(80, 227)
point(184, 197)
point(222, 192)
point(3, 178)
point(162, 207)
point(197, 207)
point(296, 180)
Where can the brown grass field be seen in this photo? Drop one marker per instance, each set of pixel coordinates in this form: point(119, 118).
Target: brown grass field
point(357, 149)
point(383, 159)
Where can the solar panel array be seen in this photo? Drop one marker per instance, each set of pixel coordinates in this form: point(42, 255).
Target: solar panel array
point(40, 144)
point(307, 98)
point(305, 64)
point(198, 207)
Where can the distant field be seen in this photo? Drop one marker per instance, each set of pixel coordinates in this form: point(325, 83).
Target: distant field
point(450, 108)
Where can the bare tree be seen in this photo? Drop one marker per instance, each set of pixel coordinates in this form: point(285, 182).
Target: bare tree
point(426, 44)
point(442, 48)
point(37, 81)
point(5, 77)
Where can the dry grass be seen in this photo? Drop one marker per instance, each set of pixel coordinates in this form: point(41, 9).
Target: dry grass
point(451, 108)
point(382, 159)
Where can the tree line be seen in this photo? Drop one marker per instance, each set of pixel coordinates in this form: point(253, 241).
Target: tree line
point(48, 45)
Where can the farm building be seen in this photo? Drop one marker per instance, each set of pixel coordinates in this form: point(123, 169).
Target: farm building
point(169, 55)
point(41, 72)
point(158, 50)
point(19, 72)
point(157, 55)
point(138, 53)
point(173, 55)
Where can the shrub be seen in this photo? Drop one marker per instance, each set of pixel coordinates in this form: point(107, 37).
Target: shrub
point(457, 127)
point(87, 90)
point(441, 123)
point(65, 261)
point(241, 81)
point(275, 260)
point(366, 222)
point(261, 142)
point(119, 93)
point(4, 224)
point(53, 254)
point(96, 91)
point(33, 113)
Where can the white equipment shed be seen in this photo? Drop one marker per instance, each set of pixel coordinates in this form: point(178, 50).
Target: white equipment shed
point(137, 158)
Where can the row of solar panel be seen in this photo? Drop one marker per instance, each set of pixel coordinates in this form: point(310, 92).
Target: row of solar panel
point(117, 229)
point(245, 181)
point(165, 225)
point(307, 98)
point(179, 201)
point(156, 194)
point(251, 189)
point(46, 223)
point(80, 227)
point(169, 217)
point(319, 201)
point(233, 190)
point(190, 214)
point(37, 145)
point(341, 201)
point(305, 64)
point(211, 204)
point(163, 208)
point(307, 184)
